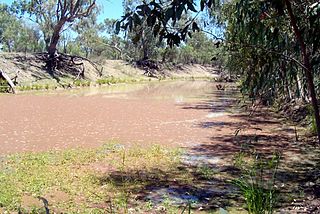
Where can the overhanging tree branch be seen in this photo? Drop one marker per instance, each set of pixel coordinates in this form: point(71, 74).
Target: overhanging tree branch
point(307, 64)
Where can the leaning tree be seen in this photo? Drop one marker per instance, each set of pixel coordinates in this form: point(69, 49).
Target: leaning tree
point(54, 16)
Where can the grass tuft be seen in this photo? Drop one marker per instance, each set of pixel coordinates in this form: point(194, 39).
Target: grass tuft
point(257, 181)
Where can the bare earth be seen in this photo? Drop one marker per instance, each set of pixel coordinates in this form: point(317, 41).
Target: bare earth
point(30, 70)
point(175, 114)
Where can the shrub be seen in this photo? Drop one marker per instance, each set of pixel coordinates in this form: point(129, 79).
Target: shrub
point(257, 182)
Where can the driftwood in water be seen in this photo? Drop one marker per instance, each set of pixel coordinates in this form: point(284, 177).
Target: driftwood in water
point(9, 81)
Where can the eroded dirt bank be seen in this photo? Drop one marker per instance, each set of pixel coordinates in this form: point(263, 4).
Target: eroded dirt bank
point(29, 70)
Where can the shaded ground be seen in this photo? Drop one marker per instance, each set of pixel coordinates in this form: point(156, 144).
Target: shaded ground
point(191, 115)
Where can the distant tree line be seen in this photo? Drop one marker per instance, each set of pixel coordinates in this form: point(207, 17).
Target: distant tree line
point(72, 27)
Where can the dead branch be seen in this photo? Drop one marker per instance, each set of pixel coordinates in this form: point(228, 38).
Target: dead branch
point(9, 81)
point(69, 63)
point(74, 57)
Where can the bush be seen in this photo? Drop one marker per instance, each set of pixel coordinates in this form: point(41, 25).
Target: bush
point(4, 87)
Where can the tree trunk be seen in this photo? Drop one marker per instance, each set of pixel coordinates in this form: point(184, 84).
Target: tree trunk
point(286, 87)
point(9, 46)
point(46, 40)
point(52, 49)
point(64, 47)
point(164, 56)
point(307, 65)
point(300, 88)
point(144, 46)
point(55, 38)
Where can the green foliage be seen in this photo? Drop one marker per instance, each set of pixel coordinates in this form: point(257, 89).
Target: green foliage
point(162, 17)
point(88, 38)
point(264, 51)
point(4, 87)
point(82, 83)
point(206, 172)
point(51, 16)
point(90, 41)
point(147, 22)
point(140, 42)
point(115, 80)
point(257, 181)
point(15, 35)
point(311, 120)
point(200, 49)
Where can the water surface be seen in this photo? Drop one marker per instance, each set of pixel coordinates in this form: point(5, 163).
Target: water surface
point(165, 112)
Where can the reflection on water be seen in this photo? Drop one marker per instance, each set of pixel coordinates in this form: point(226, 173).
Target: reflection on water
point(175, 113)
point(117, 90)
point(178, 91)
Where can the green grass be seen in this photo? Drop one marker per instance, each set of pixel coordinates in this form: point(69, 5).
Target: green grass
point(312, 127)
point(74, 173)
point(35, 87)
point(257, 181)
point(115, 179)
point(117, 80)
point(82, 83)
point(4, 87)
point(206, 172)
point(108, 179)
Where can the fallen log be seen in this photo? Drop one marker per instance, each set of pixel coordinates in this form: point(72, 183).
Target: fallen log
point(9, 81)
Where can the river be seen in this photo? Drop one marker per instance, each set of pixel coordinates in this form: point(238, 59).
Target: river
point(173, 113)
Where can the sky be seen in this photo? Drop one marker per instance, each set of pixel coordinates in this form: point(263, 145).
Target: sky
point(110, 8)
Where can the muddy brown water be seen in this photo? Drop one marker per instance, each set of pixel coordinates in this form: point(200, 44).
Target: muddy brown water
point(171, 113)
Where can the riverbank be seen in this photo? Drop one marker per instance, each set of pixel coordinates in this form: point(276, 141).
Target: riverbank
point(29, 73)
point(85, 150)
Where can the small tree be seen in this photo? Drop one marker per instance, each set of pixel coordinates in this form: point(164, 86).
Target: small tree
point(8, 28)
point(88, 34)
point(52, 16)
